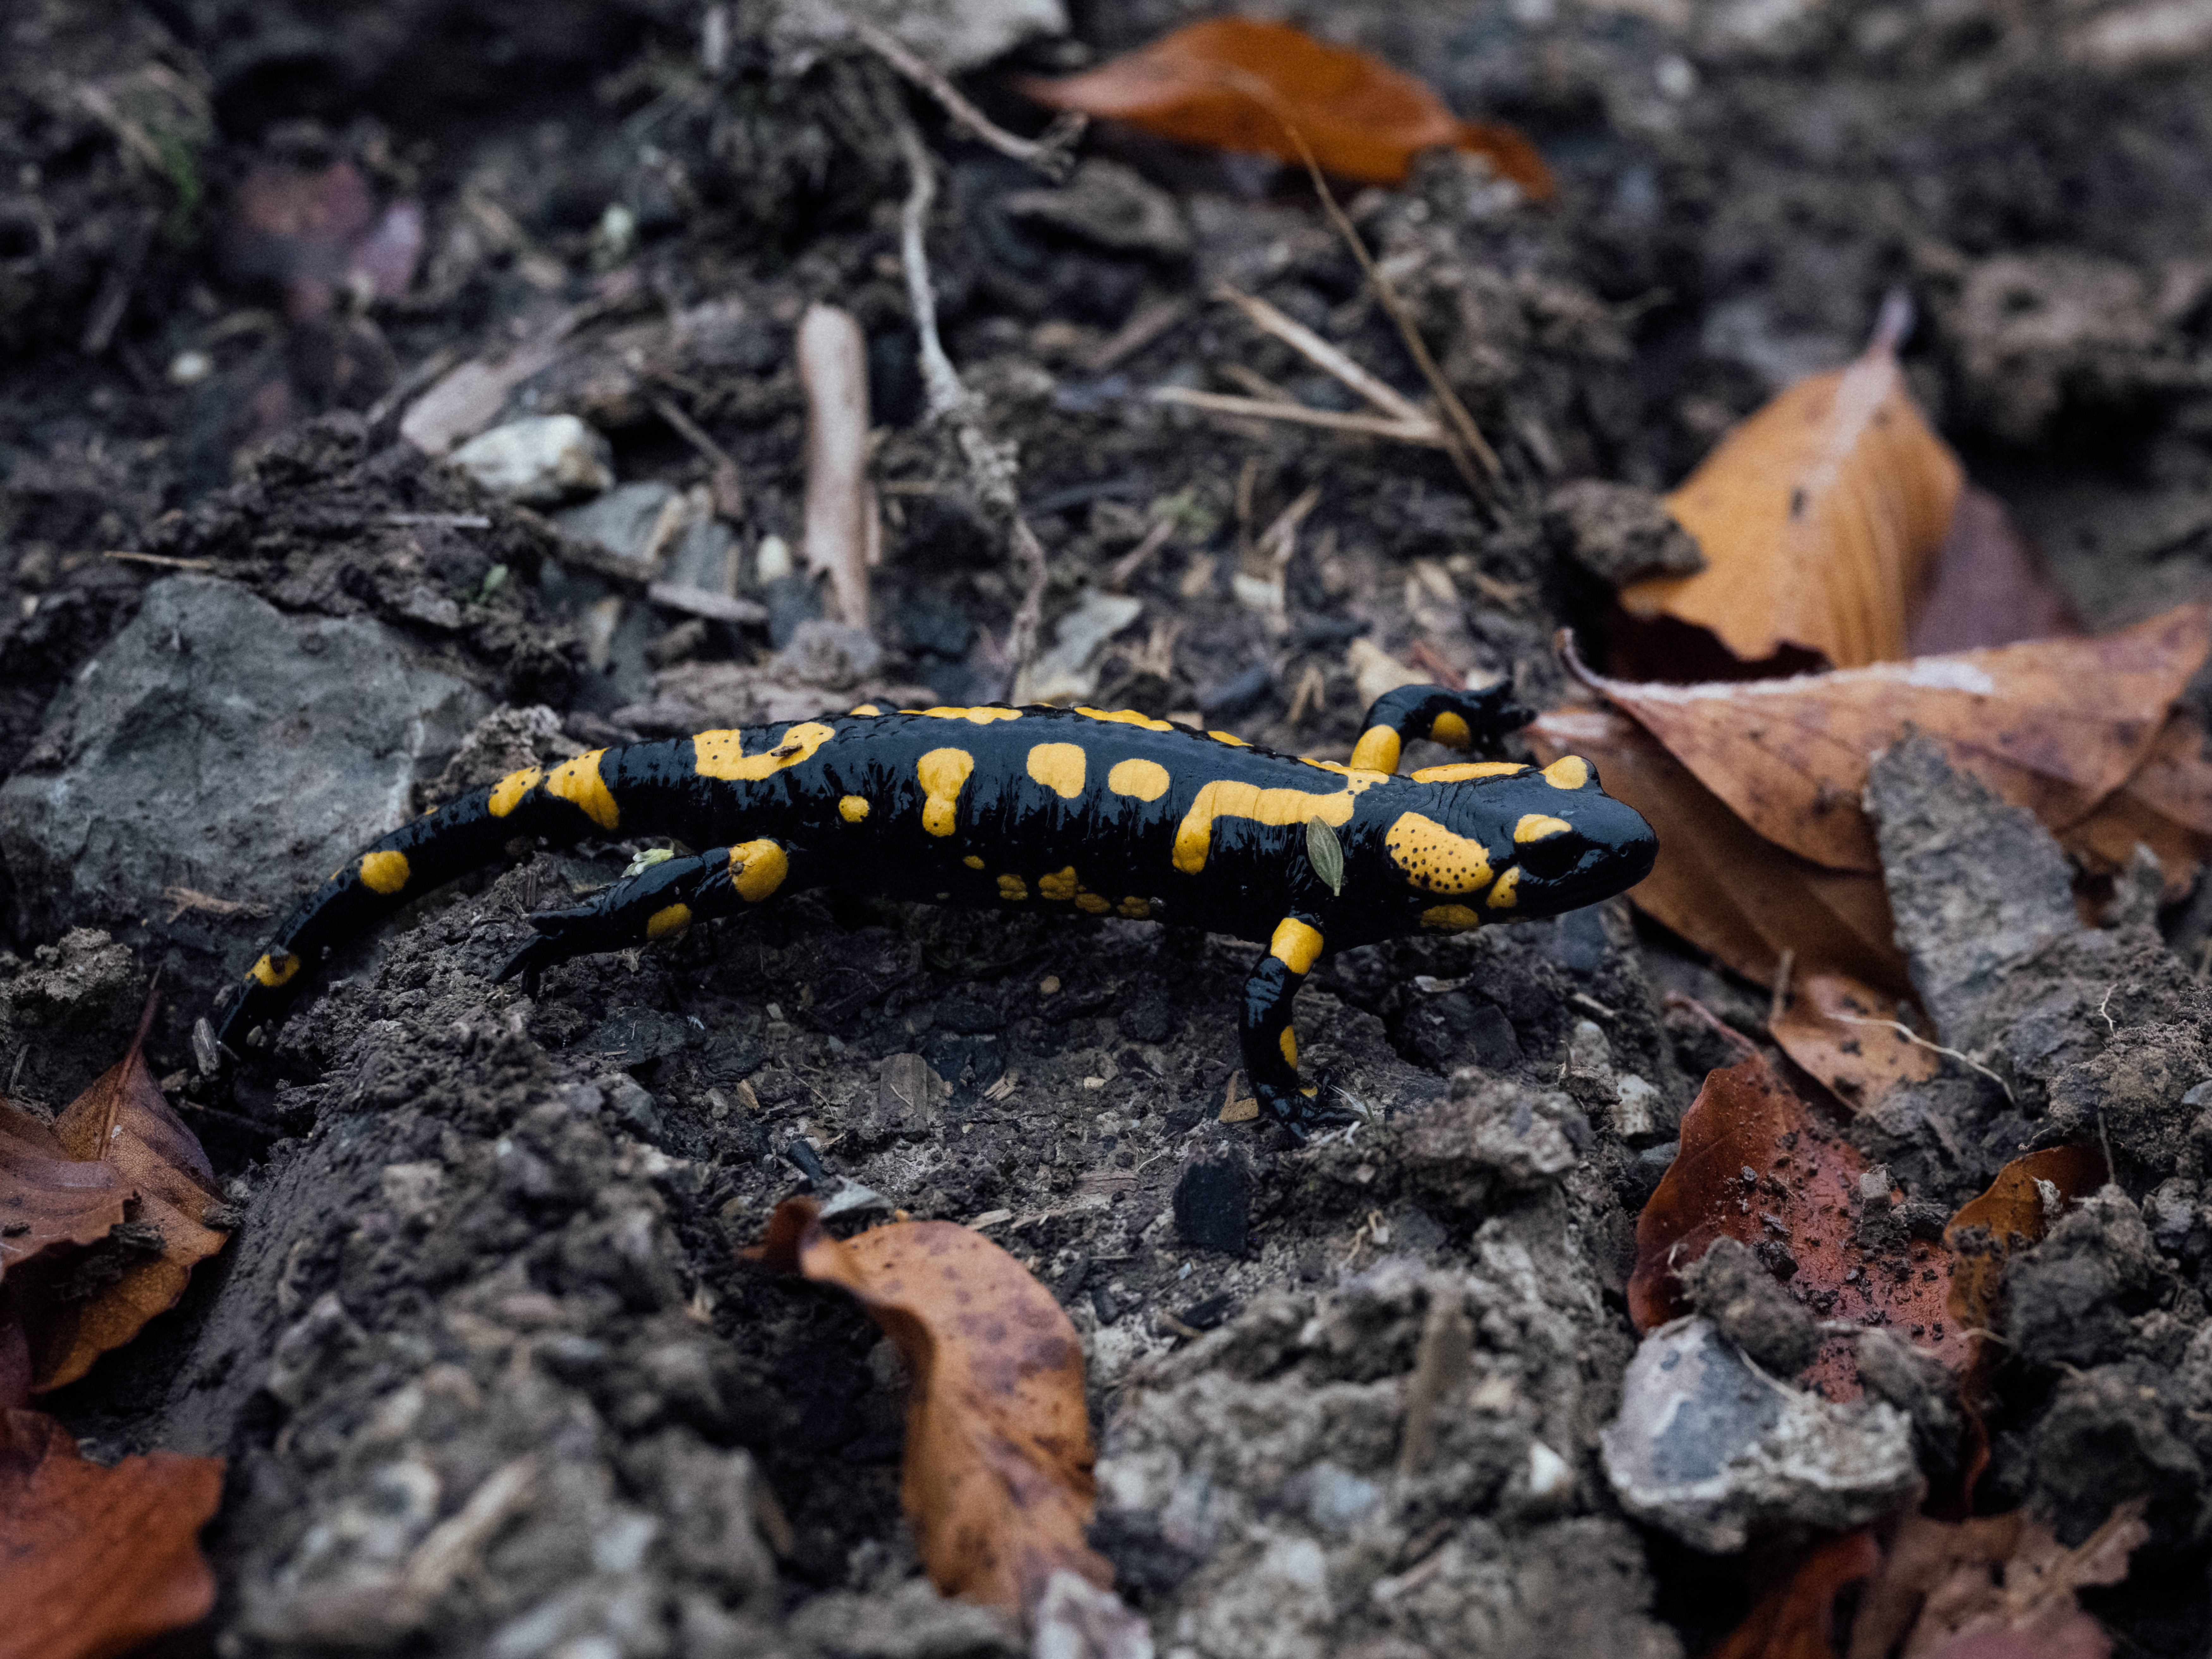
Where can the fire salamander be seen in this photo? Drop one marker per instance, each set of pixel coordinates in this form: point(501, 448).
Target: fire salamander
point(1105, 812)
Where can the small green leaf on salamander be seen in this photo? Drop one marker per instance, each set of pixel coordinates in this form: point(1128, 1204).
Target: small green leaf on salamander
point(1327, 853)
point(648, 858)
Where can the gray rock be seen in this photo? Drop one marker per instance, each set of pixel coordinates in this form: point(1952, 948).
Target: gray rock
point(544, 459)
point(219, 744)
point(1706, 1446)
point(625, 520)
point(1618, 534)
point(1974, 884)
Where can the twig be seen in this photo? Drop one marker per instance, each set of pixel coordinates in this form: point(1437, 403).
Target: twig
point(162, 560)
point(2111, 1028)
point(1330, 360)
point(1427, 433)
point(723, 477)
point(843, 534)
point(991, 462)
point(1050, 154)
point(1123, 570)
point(1920, 1042)
point(1140, 332)
point(1779, 1003)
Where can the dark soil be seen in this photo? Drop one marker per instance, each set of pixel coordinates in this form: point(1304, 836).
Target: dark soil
point(488, 1371)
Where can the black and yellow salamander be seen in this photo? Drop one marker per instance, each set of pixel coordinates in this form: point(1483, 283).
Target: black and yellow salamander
point(1107, 812)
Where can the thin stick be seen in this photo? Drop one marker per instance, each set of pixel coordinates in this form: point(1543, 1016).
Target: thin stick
point(162, 560)
point(724, 481)
point(1330, 360)
point(1123, 570)
point(1428, 434)
point(1778, 1002)
point(1050, 154)
point(991, 464)
point(1920, 1042)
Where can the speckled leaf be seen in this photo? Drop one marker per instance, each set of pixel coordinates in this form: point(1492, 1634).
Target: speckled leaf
point(997, 1480)
point(1327, 853)
point(1758, 1165)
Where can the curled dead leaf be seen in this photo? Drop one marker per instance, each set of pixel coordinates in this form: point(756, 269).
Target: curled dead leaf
point(2014, 1212)
point(2166, 805)
point(1756, 1164)
point(2055, 725)
point(121, 1123)
point(1819, 518)
point(997, 1478)
point(95, 1560)
point(48, 1199)
point(1233, 83)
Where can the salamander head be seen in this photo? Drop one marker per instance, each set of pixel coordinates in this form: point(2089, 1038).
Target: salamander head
point(1497, 843)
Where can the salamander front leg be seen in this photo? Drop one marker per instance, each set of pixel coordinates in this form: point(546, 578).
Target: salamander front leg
point(1271, 1041)
point(659, 902)
point(1473, 722)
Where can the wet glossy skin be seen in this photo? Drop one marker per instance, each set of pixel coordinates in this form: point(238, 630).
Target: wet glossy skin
point(1092, 810)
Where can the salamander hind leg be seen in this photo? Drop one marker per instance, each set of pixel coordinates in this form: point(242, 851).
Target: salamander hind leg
point(1474, 722)
point(1270, 1038)
point(660, 901)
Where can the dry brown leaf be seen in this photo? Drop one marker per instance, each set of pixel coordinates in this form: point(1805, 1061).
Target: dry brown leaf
point(95, 1560)
point(2166, 804)
point(1936, 1592)
point(48, 1199)
point(1720, 885)
point(1793, 1621)
point(1846, 1033)
point(2054, 725)
point(1802, 1205)
point(1234, 83)
point(1990, 588)
point(1819, 518)
point(2009, 1216)
point(123, 1121)
point(997, 1477)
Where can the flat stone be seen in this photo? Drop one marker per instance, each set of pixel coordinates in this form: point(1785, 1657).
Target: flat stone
point(1707, 1446)
point(542, 460)
point(220, 744)
point(623, 522)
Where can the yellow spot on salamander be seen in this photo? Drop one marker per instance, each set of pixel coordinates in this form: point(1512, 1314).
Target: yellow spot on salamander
point(722, 755)
point(1463, 771)
point(1137, 909)
point(1568, 772)
point(1012, 887)
point(942, 771)
point(1449, 730)
point(973, 862)
point(1295, 944)
point(507, 793)
point(1449, 919)
point(1288, 1043)
point(866, 708)
point(1435, 858)
point(853, 808)
point(1226, 800)
point(1538, 826)
point(1096, 904)
point(1377, 750)
point(1058, 767)
point(1230, 737)
point(757, 869)
point(275, 967)
point(1060, 885)
point(669, 919)
point(384, 872)
point(982, 716)
point(1125, 717)
point(1144, 778)
point(1507, 893)
point(578, 781)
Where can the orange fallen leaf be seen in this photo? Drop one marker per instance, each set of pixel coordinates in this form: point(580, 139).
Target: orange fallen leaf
point(1819, 518)
point(2054, 725)
point(2166, 805)
point(1794, 1622)
point(1758, 1165)
point(1233, 83)
point(95, 1560)
point(1935, 1591)
point(997, 1478)
point(123, 1123)
point(2010, 1215)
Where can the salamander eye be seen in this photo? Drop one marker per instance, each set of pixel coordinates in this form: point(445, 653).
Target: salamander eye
point(1553, 855)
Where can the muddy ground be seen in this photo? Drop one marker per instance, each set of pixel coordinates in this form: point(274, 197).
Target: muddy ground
point(489, 1372)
